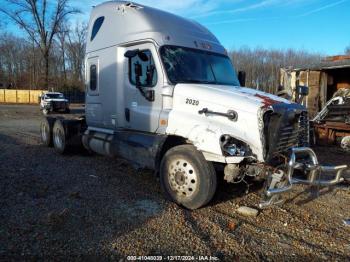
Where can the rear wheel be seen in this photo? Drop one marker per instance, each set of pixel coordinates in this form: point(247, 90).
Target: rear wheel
point(186, 177)
point(59, 137)
point(46, 132)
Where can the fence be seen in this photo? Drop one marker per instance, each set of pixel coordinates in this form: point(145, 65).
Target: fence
point(75, 96)
point(32, 96)
point(20, 96)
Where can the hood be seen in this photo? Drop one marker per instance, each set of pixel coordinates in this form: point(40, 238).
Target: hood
point(205, 130)
point(234, 97)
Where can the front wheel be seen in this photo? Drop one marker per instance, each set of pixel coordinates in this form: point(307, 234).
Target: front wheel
point(345, 144)
point(186, 177)
point(46, 111)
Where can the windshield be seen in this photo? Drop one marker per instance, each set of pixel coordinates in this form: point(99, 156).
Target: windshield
point(186, 65)
point(54, 96)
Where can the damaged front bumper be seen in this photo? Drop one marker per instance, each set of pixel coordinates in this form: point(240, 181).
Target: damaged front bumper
point(314, 173)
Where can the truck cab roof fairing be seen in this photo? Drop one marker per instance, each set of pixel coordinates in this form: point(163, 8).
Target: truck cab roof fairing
point(127, 22)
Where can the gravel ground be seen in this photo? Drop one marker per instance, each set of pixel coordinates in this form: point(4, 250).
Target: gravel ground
point(82, 207)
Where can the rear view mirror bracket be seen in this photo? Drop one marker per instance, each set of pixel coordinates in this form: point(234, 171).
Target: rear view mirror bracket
point(136, 52)
point(131, 53)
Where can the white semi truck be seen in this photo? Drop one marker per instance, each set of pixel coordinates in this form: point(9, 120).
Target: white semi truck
point(162, 93)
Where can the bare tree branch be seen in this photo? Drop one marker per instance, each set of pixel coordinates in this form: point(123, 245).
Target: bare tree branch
point(262, 65)
point(40, 21)
point(347, 50)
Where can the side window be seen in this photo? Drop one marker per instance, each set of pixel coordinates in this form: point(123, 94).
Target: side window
point(96, 27)
point(149, 72)
point(93, 77)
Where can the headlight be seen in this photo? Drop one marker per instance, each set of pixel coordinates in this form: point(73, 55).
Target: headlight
point(234, 147)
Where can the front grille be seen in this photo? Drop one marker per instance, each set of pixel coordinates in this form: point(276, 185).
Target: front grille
point(283, 130)
point(304, 130)
point(58, 105)
point(289, 137)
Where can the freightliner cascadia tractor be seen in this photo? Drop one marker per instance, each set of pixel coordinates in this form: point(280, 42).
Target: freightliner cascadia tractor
point(162, 93)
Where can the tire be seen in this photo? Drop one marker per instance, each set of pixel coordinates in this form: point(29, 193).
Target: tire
point(345, 144)
point(46, 111)
point(46, 132)
point(59, 137)
point(187, 178)
point(347, 176)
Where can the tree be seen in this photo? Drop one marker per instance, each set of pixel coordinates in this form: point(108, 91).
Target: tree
point(347, 50)
point(62, 37)
point(41, 20)
point(262, 66)
point(76, 51)
point(14, 60)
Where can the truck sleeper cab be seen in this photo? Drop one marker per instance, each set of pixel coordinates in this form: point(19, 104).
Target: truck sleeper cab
point(162, 93)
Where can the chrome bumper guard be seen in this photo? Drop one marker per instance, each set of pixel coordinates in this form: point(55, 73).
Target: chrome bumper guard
point(314, 172)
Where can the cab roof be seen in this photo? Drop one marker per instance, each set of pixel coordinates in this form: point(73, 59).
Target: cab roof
point(127, 22)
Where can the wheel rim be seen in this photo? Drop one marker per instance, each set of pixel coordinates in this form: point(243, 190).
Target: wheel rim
point(59, 138)
point(183, 179)
point(44, 132)
point(345, 143)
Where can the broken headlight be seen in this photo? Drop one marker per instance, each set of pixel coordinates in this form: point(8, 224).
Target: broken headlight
point(233, 147)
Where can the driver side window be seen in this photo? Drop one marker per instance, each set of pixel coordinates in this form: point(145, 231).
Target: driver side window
point(148, 77)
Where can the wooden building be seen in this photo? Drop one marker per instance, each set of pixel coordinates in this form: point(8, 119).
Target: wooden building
point(323, 80)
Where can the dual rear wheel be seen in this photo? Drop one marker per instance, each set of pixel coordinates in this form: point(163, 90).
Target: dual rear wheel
point(53, 134)
point(59, 137)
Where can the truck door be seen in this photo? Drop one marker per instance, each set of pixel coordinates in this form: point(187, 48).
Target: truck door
point(93, 105)
point(143, 101)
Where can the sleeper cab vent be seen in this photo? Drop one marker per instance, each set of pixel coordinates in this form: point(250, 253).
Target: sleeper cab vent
point(96, 27)
point(132, 5)
point(123, 8)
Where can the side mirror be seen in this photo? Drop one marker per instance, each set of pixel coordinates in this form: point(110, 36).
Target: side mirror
point(138, 69)
point(303, 90)
point(142, 56)
point(241, 77)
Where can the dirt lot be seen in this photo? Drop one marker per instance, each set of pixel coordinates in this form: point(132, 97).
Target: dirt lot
point(80, 206)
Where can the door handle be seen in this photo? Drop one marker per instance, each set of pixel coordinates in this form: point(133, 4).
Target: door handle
point(231, 114)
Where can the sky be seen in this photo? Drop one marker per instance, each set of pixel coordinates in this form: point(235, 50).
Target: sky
point(321, 26)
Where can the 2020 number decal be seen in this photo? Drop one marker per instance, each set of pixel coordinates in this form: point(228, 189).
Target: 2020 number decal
point(192, 102)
